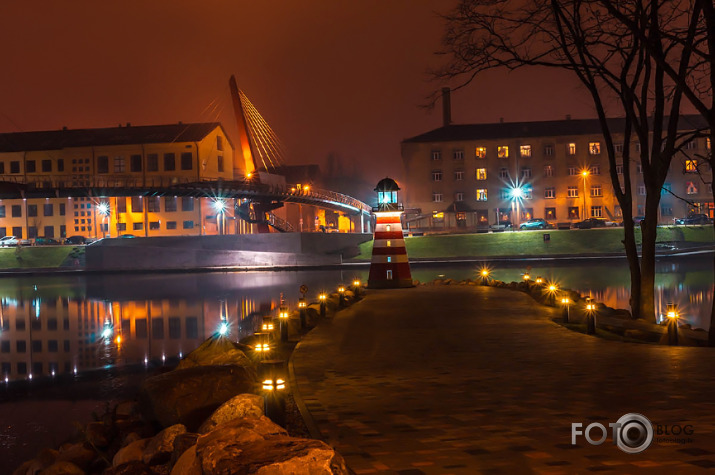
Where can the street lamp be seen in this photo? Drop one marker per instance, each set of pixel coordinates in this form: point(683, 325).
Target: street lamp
point(584, 174)
point(485, 276)
point(565, 302)
point(283, 322)
point(517, 194)
point(220, 207)
point(322, 297)
point(673, 315)
point(590, 316)
point(103, 208)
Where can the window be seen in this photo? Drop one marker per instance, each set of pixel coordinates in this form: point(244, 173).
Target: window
point(102, 164)
point(618, 211)
point(666, 189)
point(153, 204)
point(171, 225)
point(119, 165)
point(187, 204)
point(16, 212)
point(62, 209)
point(548, 150)
point(15, 167)
point(47, 166)
point(21, 346)
point(219, 163)
point(2, 211)
point(528, 193)
point(154, 225)
point(707, 143)
point(637, 146)
point(135, 163)
point(525, 172)
point(481, 173)
point(641, 190)
point(549, 213)
point(187, 161)
point(505, 194)
point(573, 171)
point(137, 204)
point(120, 227)
point(619, 169)
point(571, 149)
point(2, 168)
point(32, 210)
point(525, 151)
point(503, 173)
point(596, 191)
point(458, 155)
point(169, 162)
point(437, 197)
point(690, 145)
point(48, 209)
point(481, 194)
point(691, 188)
point(480, 152)
point(618, 147)
point(170, 204)
point(219, 142)
point(594, 148)
point(459, 175)
point(548, 170)
point(572, 192)
point(437, 215)
point(121, 205)
point(436, 155)
point(691, 166)
point(152, 162)
point(30, 166)
point(595, 170)
point(436, 175)
point(639, 168)
point(595, 211)
point(503, 151)
point(573, 212)
point(459, 196)
point(550, 193)
point(666, 210)
point(17, 231)
point(188, 225)
point(138, 226)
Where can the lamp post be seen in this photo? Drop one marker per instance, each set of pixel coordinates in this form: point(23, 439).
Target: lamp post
point(302, 309)
point(485, 276)
point(272, 374)
point(220, 207)
point(283, 322)
point(322, 297)
point(590, 316)
point(565, 303)
point(584, 174)
point(341, 296)
point(552, 289)
point(673, 315)
point(103, 208)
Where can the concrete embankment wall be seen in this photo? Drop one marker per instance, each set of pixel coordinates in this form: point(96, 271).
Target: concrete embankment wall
point(250, 250)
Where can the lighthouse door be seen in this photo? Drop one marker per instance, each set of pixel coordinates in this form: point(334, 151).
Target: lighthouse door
point(389, 274)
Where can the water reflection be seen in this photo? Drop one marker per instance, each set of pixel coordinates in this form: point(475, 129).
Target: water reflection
point(58, 326)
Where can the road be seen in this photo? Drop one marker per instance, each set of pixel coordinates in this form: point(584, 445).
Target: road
point(470, 379)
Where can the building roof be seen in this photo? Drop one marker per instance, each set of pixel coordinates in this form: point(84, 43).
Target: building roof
point(550, 128)
point(129, 135)
point(387, 184)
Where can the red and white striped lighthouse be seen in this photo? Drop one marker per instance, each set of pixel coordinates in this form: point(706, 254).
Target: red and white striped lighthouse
point(390, 267)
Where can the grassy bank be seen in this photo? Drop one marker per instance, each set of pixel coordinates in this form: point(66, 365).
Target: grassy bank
point(33, 257)
point(532, 243)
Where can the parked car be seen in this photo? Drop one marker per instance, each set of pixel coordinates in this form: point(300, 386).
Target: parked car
point(500, 226)
point(589, 223)
point(637, 219)
point(46, 241)
point(536, 223)
point(76, 240)
point(12, 241)
point(127, 236)
point(694, 218)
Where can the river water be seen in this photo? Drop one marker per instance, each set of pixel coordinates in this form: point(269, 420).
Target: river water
point(69, 344)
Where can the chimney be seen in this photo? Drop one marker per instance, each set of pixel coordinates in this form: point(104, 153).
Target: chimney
point(446, 107)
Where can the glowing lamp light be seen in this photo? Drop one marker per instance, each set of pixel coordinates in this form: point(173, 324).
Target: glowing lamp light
point(356, 283)
point(7, 380)
point(322, 297)
point(584, 173)
point(75, 369)
point(672, 311)
point(30, 376)
point(273, 384)
point(517, 192)
point(553, 288)
point(565, 301)
point(107, 332)
point(249, 175)
point(119, 340)
point(53, 373)
point(341, 289)
point(267, 327)
point(306, 188)
point(223, 329)
point(219, 206)
point(146, 360)
point(485, 273)
point(283, 313)
point(527, 277)
point(103, 208)
point(539, 280)
point(302, 304)
point(262, 348)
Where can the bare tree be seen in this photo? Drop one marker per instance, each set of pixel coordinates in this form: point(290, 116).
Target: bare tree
point(617, 69)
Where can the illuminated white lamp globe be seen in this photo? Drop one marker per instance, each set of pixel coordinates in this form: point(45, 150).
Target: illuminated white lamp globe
point(103, 208)
point(219, 206)
point(517, 193)
point(223, 329)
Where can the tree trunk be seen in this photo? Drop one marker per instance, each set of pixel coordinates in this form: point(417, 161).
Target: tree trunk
point(711, 330)
point(649, 232)
point(629, 242)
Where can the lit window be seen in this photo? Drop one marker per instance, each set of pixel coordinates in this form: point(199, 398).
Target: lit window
point(505, 194)
point(641, 190)
point(480, 152)
point(437, 215)
point(502, 151)
point(707, 143)
point(526, 172)
point(691, 166)
point(481, 173)
point(503, 173)
point(571, 149)
point(550, 193)
point(618, 147)
point(119, 166)
point(548, 150)
point(596, 191)
point(528, 194)
point(436, 155)
point(573, 171)
point(618, 211)
point(458, 155)
point(573, 212)
point(690, 145)
point(437, 175)
point(637, 146)
point(389, 243)
point(459, 175)
point(525, 150)
point(387, 228)
point(639, 168)
point(550, 213)
point(619, 169)
point(459, 196)
point(572, 192)
point(548, 170)
point(691, 188)
point(596, 211)
point(594, 148)
point(595, 170)
point(437, 197)
point(389, 273)
point(481, 194)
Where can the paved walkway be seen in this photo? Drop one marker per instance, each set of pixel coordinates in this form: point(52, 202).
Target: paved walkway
point(465, 379)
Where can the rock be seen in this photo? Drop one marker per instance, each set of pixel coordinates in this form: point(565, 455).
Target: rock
point(216, 350)
point(98, 434)
point(182, 443)
point(189, 396)
point(130, 453)
point(125, 410)
point(79, 454)
point(187, 464)
point(161, 446)
point(273, 456)
point(635, 334)
point(132, 468)
point(47, 457)
point(62, 468)
point(31, 467)
point(243, 405)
